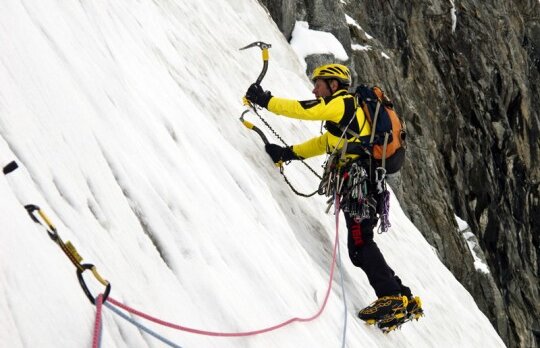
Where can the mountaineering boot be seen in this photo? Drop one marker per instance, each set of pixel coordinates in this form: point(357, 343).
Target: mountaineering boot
point(394, 320)
point(384, 308)
point(414, 308)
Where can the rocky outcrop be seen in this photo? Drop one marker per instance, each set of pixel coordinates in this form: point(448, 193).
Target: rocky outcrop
point(283, 12)
point(465, 75)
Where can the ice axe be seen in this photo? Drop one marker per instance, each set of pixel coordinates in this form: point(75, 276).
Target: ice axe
point(265, 56)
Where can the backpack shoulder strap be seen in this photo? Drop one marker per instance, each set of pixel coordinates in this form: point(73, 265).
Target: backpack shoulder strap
point(374, 123)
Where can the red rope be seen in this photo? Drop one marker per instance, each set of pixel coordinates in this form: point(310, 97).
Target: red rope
point(97, 323)
point(246, 333)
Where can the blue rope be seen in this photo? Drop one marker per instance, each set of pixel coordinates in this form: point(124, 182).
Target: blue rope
point(141, 327)
point(340, 265)
point(100, 335)
point(345, 310)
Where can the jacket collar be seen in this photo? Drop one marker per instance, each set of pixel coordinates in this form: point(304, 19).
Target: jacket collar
point(340, 92)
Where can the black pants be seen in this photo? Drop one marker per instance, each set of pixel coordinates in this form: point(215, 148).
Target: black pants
point(365, 253)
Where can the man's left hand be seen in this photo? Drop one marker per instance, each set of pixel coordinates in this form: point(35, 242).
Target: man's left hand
point(257, 95)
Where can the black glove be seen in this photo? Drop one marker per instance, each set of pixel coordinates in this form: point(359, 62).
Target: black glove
point(257, 95)
point(279, 153)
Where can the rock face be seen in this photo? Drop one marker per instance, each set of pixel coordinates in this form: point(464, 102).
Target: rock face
point(465, 75)
point(283, 13)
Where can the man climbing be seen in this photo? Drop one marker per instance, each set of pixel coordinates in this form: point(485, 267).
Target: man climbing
point(337, 107)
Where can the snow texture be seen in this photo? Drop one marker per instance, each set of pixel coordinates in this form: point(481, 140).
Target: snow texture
point(123, 117)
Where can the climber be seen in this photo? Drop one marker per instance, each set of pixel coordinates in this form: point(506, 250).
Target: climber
point(337, 107)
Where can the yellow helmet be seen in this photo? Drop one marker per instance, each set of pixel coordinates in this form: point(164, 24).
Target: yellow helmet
point(333, 71)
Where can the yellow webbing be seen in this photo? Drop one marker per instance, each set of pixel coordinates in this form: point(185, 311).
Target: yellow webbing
point(46, 219)
point(98, 277)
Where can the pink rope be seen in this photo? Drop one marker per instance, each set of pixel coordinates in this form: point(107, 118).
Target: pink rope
point(246, 333)
point(97, 323)
point(336, 213)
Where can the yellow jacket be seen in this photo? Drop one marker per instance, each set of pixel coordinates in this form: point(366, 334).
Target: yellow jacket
point(336, 110)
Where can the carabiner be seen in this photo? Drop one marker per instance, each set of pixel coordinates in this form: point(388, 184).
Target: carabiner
point(87, 292)
point(51, 230)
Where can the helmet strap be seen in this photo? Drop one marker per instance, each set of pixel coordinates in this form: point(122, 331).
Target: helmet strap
point(329, 86)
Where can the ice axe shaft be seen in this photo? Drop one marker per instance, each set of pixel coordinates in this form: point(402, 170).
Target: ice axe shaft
point(251, 126)
point(265, 56)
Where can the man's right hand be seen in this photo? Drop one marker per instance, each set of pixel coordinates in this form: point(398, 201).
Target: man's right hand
point(257, 95)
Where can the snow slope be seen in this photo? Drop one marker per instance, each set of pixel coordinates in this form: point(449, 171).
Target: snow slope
point(123, 117)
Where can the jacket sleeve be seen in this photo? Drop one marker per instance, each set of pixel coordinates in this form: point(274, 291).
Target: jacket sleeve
point(312, 110)
point(313, 147)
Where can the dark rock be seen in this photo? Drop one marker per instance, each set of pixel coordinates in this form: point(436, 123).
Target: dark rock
point(283, 12)
point(471, 100)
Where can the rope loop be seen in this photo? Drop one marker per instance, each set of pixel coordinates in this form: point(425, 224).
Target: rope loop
point(113, 302)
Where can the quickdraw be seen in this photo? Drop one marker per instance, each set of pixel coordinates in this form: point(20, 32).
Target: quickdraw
point(68, 248)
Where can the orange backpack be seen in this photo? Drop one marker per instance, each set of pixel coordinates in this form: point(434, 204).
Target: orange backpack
point(387, 139)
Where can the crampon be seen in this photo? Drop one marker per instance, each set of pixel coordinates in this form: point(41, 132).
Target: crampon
point(398, 315)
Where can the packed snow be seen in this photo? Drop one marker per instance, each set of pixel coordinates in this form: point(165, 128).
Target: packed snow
point(307, 41)
point(472, 242)
point(123, 118)
point(358, 47)
point(354, 23)
point(453, 15)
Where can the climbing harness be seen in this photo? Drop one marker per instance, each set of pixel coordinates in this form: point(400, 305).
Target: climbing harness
point(357, 189)
point(353, 180)
point(253, 108)
point(38, 216)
